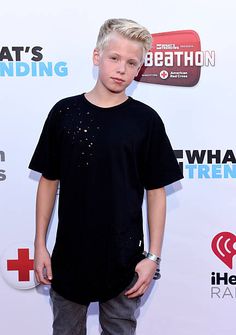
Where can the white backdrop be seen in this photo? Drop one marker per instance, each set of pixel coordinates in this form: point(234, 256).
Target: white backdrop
point(184, 301)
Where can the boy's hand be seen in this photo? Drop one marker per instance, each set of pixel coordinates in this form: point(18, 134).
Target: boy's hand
point(145, 270)
point(42, 266)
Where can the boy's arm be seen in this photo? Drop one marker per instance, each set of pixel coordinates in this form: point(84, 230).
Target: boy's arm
point(156, 208)
point(44, 206)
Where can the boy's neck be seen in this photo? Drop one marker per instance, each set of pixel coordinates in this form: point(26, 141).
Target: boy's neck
point(105, 99)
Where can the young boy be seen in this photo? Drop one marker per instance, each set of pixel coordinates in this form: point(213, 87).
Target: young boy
point(105, 148)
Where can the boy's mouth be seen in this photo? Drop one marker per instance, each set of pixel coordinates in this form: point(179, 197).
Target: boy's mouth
point(117, 80)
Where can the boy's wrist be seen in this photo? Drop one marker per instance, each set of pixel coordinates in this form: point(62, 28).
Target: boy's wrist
point(155, 259)
point(39, 243)
point(152, 257)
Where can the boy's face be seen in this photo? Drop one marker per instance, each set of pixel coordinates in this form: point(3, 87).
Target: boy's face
point(119, 62)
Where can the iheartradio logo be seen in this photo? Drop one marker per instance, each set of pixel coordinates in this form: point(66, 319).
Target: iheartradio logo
point(224, 247)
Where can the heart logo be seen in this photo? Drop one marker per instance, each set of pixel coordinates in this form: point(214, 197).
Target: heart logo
point(223, 247)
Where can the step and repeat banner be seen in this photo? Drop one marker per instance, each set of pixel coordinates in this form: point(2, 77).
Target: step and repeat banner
point(188, 78)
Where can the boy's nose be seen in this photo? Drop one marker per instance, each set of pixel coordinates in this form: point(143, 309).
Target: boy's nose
point(121, 67)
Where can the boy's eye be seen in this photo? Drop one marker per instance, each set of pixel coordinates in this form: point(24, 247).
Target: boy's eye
point(132, 63)
point(113, 57)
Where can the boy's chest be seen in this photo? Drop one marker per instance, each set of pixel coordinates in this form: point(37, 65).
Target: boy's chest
point(93, 134)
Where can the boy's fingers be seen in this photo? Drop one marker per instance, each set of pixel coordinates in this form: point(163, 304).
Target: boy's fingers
point(136, 287)
point(49, 271)
point(40, 276)
point(138, 293)
point(36, 276)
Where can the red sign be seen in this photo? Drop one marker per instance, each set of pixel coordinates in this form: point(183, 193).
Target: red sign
point(175, 59)
point(23, 265)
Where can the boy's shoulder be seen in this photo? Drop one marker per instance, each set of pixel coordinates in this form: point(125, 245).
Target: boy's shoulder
point(143, 106)
point(63, 107)
point(146, 110)
point(67, 102)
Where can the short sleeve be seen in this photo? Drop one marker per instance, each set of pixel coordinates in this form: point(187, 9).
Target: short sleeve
point(46, 155)
point(161, 166)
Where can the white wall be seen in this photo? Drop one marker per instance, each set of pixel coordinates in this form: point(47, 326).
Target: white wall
point(196, 118)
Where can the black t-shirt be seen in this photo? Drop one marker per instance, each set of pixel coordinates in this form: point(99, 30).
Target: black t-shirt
point(104, 159)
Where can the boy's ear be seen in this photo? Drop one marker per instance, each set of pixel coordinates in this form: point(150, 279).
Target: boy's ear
point(96, 56)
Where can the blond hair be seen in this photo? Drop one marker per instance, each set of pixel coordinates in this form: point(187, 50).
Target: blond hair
point(126, 28)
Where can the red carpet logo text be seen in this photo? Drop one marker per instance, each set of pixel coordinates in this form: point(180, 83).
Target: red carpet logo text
point(207, 164)
point(28, 61)
point(175, 59)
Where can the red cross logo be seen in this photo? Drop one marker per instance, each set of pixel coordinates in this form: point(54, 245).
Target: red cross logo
point(164, 74)
point(23, 265)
